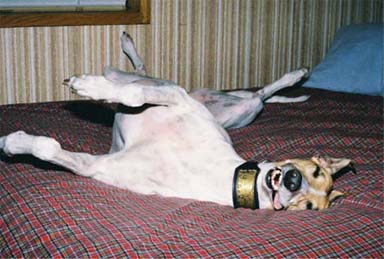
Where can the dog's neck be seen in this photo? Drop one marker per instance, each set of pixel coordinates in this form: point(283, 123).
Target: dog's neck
point(225, 177)
point(244, 186)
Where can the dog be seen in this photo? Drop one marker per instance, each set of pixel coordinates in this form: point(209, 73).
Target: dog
point(176, 147)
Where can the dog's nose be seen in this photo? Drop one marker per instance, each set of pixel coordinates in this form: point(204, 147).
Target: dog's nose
point(292, 180)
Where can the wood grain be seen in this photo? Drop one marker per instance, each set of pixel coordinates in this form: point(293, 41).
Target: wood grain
point(138, 13)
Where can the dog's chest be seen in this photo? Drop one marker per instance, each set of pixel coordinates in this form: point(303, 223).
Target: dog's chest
point(162, 125)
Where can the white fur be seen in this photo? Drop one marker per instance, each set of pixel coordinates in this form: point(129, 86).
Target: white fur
point(176, 148)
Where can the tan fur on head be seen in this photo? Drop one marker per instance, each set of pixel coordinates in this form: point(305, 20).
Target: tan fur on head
point(317, 172)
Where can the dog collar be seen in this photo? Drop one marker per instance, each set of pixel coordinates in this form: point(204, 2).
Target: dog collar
point(244, 186)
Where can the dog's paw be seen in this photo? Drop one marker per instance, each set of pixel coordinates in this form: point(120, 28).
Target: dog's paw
point(128, 48)
point(94, 87)
point(20, 142)
point(127, 44)
point(126, 39)
point(295, 76)
point(10, 144)
point(302, 72)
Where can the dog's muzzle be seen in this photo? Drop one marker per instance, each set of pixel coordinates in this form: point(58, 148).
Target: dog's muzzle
point(287, 176)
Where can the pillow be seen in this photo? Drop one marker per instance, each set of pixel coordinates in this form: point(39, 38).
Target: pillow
point(354, 62)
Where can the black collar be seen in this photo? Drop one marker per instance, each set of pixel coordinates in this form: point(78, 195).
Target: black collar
point(244, 186)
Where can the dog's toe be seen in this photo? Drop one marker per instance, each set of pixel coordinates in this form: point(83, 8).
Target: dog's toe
point(66, 81)
point(69, 81)
point(305, 72)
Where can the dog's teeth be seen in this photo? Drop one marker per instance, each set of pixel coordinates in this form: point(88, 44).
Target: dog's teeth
point(276, 179)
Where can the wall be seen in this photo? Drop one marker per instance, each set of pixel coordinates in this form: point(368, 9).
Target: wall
point(202, 43)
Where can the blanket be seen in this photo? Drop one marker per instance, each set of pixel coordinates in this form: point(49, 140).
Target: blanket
point(46, 211)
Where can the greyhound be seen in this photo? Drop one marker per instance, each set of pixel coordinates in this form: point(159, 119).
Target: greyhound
point(177, 147)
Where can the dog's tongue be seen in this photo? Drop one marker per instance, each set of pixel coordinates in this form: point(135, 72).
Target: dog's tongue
point(276, 202)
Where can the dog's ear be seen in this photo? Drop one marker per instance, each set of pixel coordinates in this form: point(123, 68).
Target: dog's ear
point(312, 201)
point(297, 203)
point(308, 202)
point(332, 165)
point(334, 195)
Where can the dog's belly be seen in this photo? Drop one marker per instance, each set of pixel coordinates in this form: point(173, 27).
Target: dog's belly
point(169, 169)
point(175, 125)
point(171, 153)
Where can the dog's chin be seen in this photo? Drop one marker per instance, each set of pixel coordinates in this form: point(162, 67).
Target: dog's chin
point(273, 181)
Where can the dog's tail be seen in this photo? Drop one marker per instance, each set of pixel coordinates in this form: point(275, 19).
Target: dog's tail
point(287, 80)
point(283, 99)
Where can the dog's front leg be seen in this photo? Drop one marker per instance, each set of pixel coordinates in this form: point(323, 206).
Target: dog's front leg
point(47, 149)
point(133, 94)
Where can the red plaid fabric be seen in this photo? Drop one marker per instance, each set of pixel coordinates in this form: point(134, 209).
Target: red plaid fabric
point(46, 211)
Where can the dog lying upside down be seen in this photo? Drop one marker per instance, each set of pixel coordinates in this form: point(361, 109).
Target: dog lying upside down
point(177, 145)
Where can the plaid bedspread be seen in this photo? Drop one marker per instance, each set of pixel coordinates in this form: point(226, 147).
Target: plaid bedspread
point(46, 211)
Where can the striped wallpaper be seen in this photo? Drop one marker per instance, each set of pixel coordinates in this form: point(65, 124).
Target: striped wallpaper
point(223, 44)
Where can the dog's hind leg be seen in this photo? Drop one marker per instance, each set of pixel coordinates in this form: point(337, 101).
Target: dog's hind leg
point(240, 114)
point(230, 110)
point(129, 49)
point(119, 76)
point(274, 99)
point(287, 80)
point(242, 94)
point(122, 77)
point(48, 149)
point(238, 108)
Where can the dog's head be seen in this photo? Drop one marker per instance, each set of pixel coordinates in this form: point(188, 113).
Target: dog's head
point(299, 184)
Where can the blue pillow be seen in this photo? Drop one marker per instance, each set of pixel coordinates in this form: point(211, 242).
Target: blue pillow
point(354, 62)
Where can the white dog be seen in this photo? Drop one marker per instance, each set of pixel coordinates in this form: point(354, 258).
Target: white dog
point(175, 146)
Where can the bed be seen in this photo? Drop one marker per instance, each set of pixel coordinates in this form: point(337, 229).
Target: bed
point(46, 211)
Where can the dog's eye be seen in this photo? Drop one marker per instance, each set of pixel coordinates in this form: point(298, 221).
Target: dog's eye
point(310, 206)
point(316, 173)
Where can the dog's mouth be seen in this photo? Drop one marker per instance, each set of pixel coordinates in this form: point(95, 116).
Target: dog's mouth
point(273, 180)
